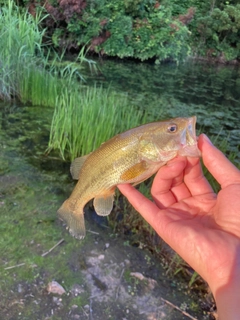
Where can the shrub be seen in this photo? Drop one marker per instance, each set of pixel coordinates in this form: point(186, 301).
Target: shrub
point(219, 32)
point(138, 29)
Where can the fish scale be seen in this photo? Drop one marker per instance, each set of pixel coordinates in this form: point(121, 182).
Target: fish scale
point(129, 157)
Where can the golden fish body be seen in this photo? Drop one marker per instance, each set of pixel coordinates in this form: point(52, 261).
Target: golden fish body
point(129, 157)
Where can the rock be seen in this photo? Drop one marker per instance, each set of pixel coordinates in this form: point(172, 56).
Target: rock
point(57, 301)
point(151, 282)
point(74, 306)
point(20, 289)
point(55, 287)
point(76, 290)
point(137, 275)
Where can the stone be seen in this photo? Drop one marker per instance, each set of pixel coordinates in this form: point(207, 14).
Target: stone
point(55, 287)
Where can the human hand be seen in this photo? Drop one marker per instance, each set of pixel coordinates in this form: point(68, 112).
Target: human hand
point(202, 227)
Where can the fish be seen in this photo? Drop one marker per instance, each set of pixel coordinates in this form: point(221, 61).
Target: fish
point(129, 157)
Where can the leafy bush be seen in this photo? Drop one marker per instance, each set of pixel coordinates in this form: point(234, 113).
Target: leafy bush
point(139, 29)
point(145, 29)
point(219, 32)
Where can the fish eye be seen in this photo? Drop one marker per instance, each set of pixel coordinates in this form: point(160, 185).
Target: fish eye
point(172, 128)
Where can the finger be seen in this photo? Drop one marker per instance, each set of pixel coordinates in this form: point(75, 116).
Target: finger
point(216, 162)
point(143, 205)
point(168, 186)
point(194, 178)
point(148, 210)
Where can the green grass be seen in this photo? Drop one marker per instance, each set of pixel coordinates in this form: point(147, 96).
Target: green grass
point(29, 231)
point(85, 117)
point(20, 45)
point(29, 70)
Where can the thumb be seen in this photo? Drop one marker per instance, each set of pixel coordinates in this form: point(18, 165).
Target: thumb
point(217, 163)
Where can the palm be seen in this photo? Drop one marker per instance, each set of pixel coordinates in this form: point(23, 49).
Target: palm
point(204, 228)
point(191, 229)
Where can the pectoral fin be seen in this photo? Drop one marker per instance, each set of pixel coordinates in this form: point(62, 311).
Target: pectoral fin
point(76, 166)
point(135, 171)
point(103, 206)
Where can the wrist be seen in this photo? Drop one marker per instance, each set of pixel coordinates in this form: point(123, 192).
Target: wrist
point(227, 299)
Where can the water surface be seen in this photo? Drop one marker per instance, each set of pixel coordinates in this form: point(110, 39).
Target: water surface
point(211, 92)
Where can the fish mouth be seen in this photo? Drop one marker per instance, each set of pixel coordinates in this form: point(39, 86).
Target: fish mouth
point(188, 140)
point(191, 131)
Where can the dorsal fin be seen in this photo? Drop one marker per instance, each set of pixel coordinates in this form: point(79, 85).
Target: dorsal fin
point(76, 166)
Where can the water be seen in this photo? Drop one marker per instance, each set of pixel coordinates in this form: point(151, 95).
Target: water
point(212, 93)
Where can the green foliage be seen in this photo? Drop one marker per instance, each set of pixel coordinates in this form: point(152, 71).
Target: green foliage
point(148, 29)
point(219, 32)
point(20, 40)
point(28, 70)
point(155, 37)
point(139, 29)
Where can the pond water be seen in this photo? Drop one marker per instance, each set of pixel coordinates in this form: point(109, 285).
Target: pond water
point(212, 93)
point(100, 274)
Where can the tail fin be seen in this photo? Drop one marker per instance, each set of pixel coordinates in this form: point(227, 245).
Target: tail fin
point(74, 220)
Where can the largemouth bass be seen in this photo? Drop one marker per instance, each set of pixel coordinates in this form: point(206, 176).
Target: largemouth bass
point(129, 157)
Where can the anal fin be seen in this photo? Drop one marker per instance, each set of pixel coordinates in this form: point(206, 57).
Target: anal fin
point(103, 205)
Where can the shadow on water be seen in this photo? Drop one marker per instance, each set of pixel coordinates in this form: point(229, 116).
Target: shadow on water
point(103, 276)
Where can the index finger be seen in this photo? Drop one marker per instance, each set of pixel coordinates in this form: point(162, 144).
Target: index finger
point(142, 204)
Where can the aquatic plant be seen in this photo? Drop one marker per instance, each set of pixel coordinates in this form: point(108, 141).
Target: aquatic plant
point(85, 117)
point(29, 70)
point(20, 41)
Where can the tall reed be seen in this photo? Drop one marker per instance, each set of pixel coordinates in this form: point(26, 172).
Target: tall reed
point(20, 41)
point(85, 118)
point(28, 70)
